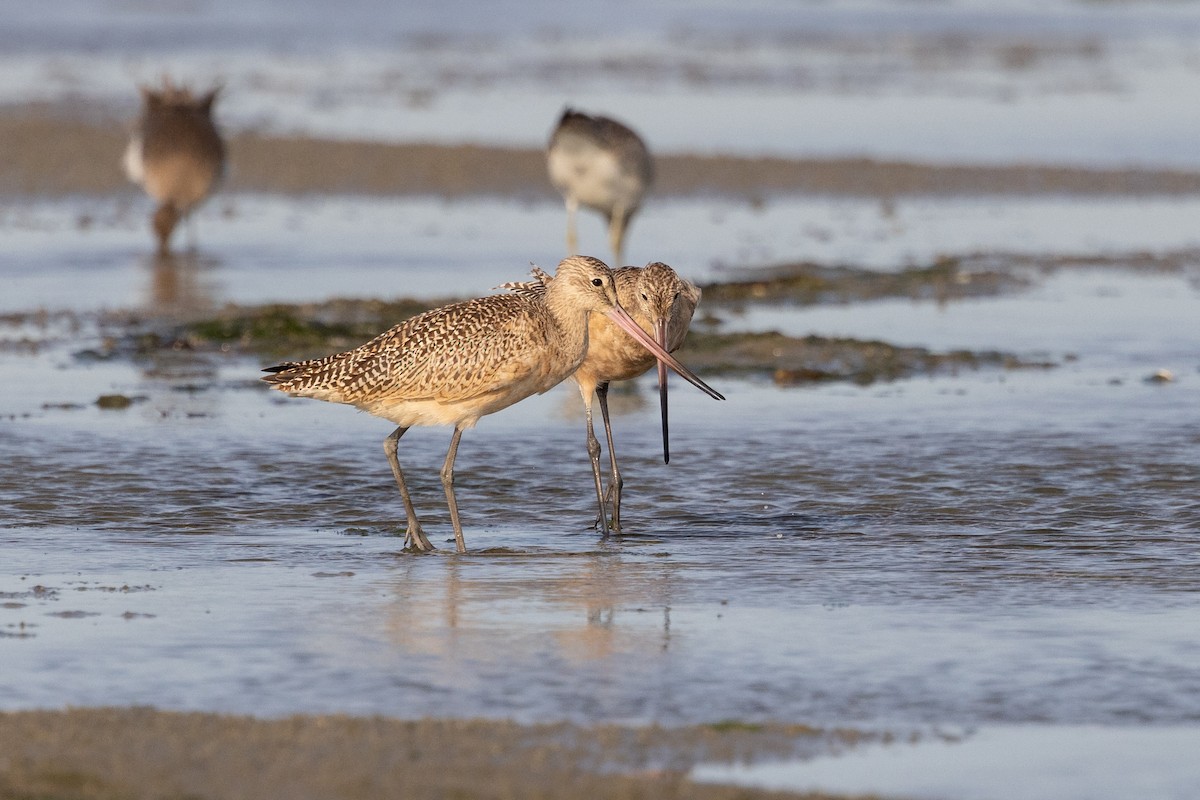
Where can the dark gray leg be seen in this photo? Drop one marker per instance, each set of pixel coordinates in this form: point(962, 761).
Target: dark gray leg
point(593, 448)
point(448, 485)
point(414, 537)
point(615, 483)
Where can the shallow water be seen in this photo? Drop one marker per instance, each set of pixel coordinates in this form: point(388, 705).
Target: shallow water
point(258, 248)
point(991, 547)
point(1008, 551)
point(1069, 762)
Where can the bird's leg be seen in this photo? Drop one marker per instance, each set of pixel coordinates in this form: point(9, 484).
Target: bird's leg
point(616, 234)
point(164, 220)
point(593, 447)
point(189, 223)
point(572, 234)
point(615, 482)
point(414, 537)
point(448, 485)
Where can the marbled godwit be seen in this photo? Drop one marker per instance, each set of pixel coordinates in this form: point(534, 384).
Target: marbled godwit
point(662, 304)
point(599, 163)
point(453, 365)
point(176, 154)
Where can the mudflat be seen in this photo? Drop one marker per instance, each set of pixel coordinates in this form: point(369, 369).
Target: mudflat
point(53, 150)
point(126, 753)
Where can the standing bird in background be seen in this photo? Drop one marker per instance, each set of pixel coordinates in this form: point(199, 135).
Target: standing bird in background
point(599, 163)
point(457, 363)
point(662, 304)
point(176, 154)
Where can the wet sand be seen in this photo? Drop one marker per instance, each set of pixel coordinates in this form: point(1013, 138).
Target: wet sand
point(132, 753)
point(51, 150)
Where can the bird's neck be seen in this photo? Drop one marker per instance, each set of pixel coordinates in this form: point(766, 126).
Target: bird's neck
point(572, 323)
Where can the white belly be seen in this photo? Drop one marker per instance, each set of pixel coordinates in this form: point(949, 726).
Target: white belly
point(135, 168)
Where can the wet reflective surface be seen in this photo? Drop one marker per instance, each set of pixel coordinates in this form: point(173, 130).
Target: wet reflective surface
point(1011, 553)
point(1069, 762)
point(256, 248)
point(989, 547)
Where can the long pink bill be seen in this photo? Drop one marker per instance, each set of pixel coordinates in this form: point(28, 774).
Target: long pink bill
point(625, 322)
point(660, 336)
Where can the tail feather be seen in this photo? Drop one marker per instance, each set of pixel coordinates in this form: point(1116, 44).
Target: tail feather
point(307, 379)
point(535, 288)
point(282, 374)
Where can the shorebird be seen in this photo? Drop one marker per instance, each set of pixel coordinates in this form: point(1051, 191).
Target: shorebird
point(662, 304)
point(457, 363)
point(175, 154)
point(599, 163)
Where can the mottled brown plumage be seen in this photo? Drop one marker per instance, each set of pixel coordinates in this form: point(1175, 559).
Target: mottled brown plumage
point(176, 154)
point(453, 365)
point(662, 304)
point(600, 164)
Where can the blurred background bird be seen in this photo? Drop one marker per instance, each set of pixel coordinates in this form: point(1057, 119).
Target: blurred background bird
point(176, 154)
point(599, 163)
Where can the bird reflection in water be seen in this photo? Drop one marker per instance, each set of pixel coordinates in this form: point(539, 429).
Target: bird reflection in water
point(180, 283)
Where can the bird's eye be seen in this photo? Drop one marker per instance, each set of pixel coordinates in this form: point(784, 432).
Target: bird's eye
point(647, 299)
point(597, 282)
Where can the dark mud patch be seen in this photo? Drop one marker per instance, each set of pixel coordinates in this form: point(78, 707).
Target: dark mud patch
point(812, 284)
point(948, 278)
point(38, 592)
point(187, 350)
point(19, 630)
point(280, 332)
point(310, 328)
point(791, 360)
point(1169, 262)
point(122, 589)
point(275, 329)
point(31, 333)
point(119, 402)
point(296, 330)
point(143, 753)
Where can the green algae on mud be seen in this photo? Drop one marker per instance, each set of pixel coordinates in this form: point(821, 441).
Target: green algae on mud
point(948, 278)
point(791, 360)
point(103, 753)
point(314, 329)
point(304, 329)
point(282, 331)
point(810, 284)
point(293, 330)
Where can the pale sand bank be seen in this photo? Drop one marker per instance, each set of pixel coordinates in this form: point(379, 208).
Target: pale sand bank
point(52, 151)
point(131, 753)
